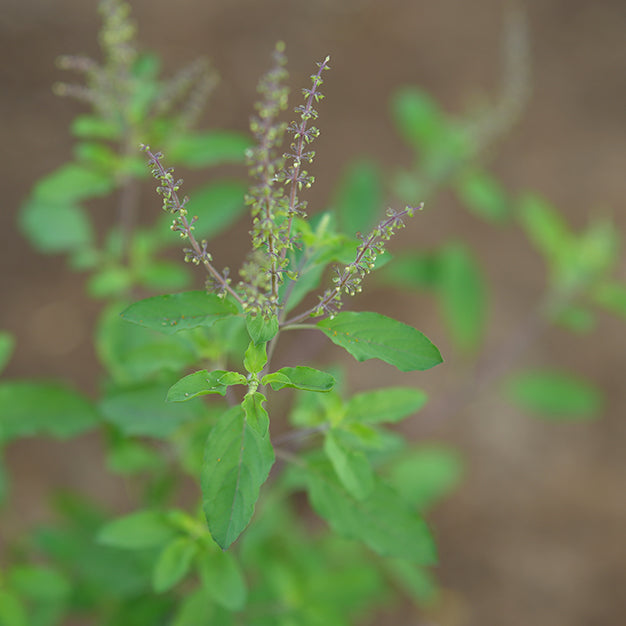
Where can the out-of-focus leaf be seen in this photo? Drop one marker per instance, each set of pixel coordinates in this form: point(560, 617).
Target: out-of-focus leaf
point(358, 201)
point(217, 205)
point(72, 183)
point(555, 395)
point(426, 474)
point(351, 466)
point(463, 297)
point(138, 530)
point(484, 196)
point(7, 343)
point(612, 297)
point(385, 405)
point(132, 353)
point(209, 148)
point(142, 410)
point(382, 521)
point(43, 408)
point(53, 226)
point(173, 563)
point(223, 579)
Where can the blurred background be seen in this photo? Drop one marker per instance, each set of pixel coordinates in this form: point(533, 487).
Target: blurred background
point(535, 534)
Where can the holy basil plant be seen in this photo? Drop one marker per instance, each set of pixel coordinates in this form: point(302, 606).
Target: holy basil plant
point(287, 261)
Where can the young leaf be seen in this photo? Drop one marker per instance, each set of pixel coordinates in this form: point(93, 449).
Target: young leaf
point(300, 377)
point(41, 408)
point(260, 329)
point(385, 405)
point(180, 311)
point(203, 382)
point(223, 580)
point(209, 148)
point(173, 563)
point(555, 395)
point(462, 297)
point(359, 198)
point(374, 336)
point(382, 520)
point(55, 226)
point(138, 530)
point(237, 462)
point(256, 415)
point(255, 357)
point(351, 466)
point(6, 348)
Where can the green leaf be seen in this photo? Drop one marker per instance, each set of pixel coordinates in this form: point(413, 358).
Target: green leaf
point(132, 353)
point(42, 408)
point(462, 297)
point(576, 319)
point(163, 276)
point(415, 270)
point(374, 336)
point(93, 127)
point(260, 329)
point(107, 282)
point(41, 584)
point(255, 357)
point(173, 563)
point(7, 343)
point(180, 311)
point(545, 228)
point(300, 377)
point(237, 462)
point(204, 382)
point(256, 416)
point(71, 183)
point(383, 521)
point(55, 226)
point(142, 410)
point(217, 205)
point(209, 148)
point(416, 581)
point(351, 466)
point(426, 475)
point(484, 196)
point(385, 405)
point(129, 457)
point(555, 395)
point(223, 580)
point(612, 297)
point(12, 612)
point(417, 117)
point(359, 199)
point(138, 530)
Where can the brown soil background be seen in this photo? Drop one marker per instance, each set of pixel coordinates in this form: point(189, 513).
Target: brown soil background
point(536, 534)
